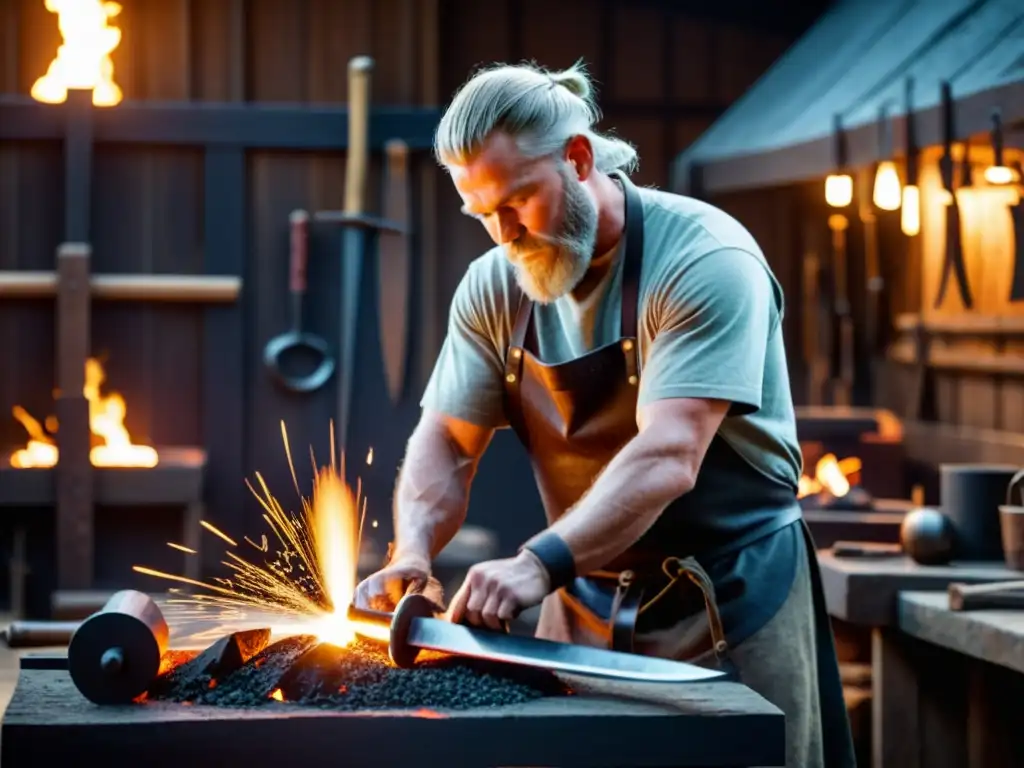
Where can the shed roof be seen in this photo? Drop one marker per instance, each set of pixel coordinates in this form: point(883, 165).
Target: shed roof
point(854, 63)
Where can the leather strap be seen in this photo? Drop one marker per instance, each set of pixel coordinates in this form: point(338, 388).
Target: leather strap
point(634, 256)
point(556, 557)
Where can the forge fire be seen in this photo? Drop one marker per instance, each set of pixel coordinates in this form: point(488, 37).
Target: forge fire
point(242, 670)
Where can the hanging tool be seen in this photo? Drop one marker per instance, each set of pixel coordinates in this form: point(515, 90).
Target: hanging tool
point(414, 628)
point(394, 272)
point(1017, 216)
point(842, 386)
point(356, 223)
point(296, 340)
point(815, 320)
point(953, 263)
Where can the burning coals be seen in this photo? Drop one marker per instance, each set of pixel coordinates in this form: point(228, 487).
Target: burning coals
point(241, 670)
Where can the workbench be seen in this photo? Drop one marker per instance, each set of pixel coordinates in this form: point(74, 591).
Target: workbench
point(866, 592)
point(959, 680)
point(605, 723)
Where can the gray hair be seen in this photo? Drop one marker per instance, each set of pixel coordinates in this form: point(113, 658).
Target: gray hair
point(541, 110)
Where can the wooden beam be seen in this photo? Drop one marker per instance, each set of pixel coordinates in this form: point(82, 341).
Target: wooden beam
point(934, 444)
point(176, 481)
point(224, 340)
point(74, 486)
point(300, 127)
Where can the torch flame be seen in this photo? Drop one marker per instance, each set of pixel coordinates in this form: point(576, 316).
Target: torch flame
point(83, 60)
point(106, 421)
point(830, 474)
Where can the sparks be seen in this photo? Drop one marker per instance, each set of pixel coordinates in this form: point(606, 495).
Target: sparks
point(307, 576)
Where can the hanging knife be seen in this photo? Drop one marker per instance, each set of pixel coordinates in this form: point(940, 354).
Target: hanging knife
point(954, 258)
point(394, 272)
point(1017, 214)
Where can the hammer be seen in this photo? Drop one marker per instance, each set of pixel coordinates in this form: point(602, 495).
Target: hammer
point(114, 654)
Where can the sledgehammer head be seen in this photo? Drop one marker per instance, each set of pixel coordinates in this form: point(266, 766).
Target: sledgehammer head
point(115, 654)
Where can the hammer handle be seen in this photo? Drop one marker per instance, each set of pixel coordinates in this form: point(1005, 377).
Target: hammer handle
point(39, 634)
point(357, 155)
point(1001, 594)
point(299, 256)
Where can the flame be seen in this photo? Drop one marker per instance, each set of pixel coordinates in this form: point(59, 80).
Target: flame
point(106, 421)
point(310, 581)
point(336, 545)
point(830, 474)
point(83, 59)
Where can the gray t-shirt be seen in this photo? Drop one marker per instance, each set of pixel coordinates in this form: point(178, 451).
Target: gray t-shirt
point(709, 325)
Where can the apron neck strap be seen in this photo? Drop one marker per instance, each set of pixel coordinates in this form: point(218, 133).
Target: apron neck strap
point(634, 257)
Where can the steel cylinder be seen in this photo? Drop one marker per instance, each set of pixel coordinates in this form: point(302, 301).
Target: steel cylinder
point(115, 654)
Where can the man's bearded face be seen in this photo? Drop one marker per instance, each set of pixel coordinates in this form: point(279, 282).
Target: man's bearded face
point(549, 266)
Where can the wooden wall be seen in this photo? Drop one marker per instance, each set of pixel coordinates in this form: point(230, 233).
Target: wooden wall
point(662, 77)
point(975, 359)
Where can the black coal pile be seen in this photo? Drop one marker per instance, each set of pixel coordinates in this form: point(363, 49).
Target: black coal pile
point(242, 670)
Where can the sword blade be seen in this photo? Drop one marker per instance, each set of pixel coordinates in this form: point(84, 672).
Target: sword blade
point(444, 636)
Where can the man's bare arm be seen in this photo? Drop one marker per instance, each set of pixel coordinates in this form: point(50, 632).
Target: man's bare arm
point(433, 486)
point(653, 469)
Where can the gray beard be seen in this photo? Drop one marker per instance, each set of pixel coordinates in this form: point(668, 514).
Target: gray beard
point(567, 255)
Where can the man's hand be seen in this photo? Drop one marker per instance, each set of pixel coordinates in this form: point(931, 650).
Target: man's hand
point(497, 590)
point(388, 585)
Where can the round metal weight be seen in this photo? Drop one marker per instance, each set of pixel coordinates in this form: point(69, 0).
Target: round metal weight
point(115, 654)
point(410, 607)
point(926, 535)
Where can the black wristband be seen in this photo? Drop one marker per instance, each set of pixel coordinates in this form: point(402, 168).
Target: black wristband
point(556, 557)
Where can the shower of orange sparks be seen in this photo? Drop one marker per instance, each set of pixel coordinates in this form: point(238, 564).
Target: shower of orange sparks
point(312, 575)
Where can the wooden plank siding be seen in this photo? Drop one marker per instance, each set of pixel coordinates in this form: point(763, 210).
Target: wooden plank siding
point(193, 375)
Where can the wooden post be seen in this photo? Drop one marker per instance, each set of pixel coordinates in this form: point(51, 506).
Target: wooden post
point(74, 514)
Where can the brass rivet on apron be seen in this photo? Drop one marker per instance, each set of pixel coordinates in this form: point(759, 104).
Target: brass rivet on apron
point(633, 380)
point(627, 344)
point(510, 378)
point(517, 353)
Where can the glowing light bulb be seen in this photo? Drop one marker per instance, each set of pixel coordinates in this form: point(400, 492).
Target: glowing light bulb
point(1000, 174)
point(887, 187)
point(839, 190)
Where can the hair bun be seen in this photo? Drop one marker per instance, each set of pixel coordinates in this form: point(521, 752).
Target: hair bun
point(573, 80)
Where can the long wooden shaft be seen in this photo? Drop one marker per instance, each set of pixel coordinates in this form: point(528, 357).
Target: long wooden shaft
point(170, 288)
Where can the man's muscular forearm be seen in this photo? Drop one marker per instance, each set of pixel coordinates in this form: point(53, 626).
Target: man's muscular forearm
point(433, 490)
point(651, 471)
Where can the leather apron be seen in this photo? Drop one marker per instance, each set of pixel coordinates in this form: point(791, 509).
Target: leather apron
point(573, 418)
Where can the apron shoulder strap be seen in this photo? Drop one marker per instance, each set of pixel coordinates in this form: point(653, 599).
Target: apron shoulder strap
point(634, 256)
point(522, 322)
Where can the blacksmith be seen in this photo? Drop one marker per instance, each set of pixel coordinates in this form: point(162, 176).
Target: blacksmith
point(632, 339)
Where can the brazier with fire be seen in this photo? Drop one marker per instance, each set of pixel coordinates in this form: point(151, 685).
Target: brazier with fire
point(853, 486)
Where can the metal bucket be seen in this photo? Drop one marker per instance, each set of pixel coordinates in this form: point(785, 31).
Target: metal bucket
point(1011, 524)
point(971, 495)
